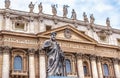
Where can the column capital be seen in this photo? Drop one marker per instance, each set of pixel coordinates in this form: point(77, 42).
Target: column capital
point(1, 49)
point(6, 49)
point(7, 15)
point(92, 57)
point(99, 58)
point(115, 60)
point(79, 55)
point(31, 51)
point(41, 52)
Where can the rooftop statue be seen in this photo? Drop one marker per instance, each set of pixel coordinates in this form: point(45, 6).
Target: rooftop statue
point(85, 17)
point(55, 66)
point(7, 4)
point(108, 21)
point(54, 10)
point(65, 11)
point(31, 6)
point(73, 16)
point(92, 19)
point(40, 7)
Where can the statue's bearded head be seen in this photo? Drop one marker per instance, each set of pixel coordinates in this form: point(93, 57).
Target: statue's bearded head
point(53, 35)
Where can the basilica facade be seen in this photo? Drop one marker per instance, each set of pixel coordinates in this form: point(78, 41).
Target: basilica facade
point(91, 50)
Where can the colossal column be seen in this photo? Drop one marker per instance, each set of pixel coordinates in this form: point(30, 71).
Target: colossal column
point(42, 65)
point(31, 63)
point(116, 68)
point(94, 67)
point(99, 67)
point(80, 66)
point(6, 62)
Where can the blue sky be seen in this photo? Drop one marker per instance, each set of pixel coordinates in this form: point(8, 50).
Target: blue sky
point(101, 9)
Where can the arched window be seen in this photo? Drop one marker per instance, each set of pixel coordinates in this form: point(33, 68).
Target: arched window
point(68, 65)
point(106, 70)
point(18, 63)
point(85, 68)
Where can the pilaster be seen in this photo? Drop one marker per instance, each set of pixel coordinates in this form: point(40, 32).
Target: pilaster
point(94, 66)
point(6, 62)
point(100, 73)
point(42, 64)
point(116, 68)
point(31, 63)
point(80, 65)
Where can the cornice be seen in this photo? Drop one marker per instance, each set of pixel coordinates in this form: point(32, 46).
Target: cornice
point(5, 32)
point(58, 18)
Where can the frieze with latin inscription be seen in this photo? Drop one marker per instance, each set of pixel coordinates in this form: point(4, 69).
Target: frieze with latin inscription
point(22, 42)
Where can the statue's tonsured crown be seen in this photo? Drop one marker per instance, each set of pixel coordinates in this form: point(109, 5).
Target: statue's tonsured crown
point(53, 33)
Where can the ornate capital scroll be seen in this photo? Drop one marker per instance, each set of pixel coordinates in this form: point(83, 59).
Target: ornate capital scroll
point(6, 49)
point(115, 60)
point(92, 57)
point(79, 55)
point(31, 51)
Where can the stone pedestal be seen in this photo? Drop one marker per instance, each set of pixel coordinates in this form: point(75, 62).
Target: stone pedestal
point(100, 73)
point(6, 62)
point(42, 64)
point(31, 63)
point(116, 68)
point(94, 67)
point(80, 66)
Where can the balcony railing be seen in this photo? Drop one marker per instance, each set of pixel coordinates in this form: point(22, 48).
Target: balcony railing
point(19, 72)
point(108, 77)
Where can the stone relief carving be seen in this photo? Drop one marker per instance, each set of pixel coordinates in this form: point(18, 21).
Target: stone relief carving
point(55, 57)
point(67, 33)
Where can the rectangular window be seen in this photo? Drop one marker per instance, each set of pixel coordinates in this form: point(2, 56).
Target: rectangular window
point(118, 42)
point(19, 26)
point(48, 27)
point(103, 38)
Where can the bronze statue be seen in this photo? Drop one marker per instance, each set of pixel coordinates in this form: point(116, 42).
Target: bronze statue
point(7, 4)
point(65, 11)
point(54, 11)
point(73, 14)
point(40, 7)
point(55, 57)
point(31, 6)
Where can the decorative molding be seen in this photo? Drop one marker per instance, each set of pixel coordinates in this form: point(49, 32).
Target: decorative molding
point(92, 57)
point(41, 52)
point(115, 60)
point(6, 49)
point(79, 55)
point(31, 51)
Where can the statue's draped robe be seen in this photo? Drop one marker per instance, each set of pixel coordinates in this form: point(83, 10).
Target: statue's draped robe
point(55, 58)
